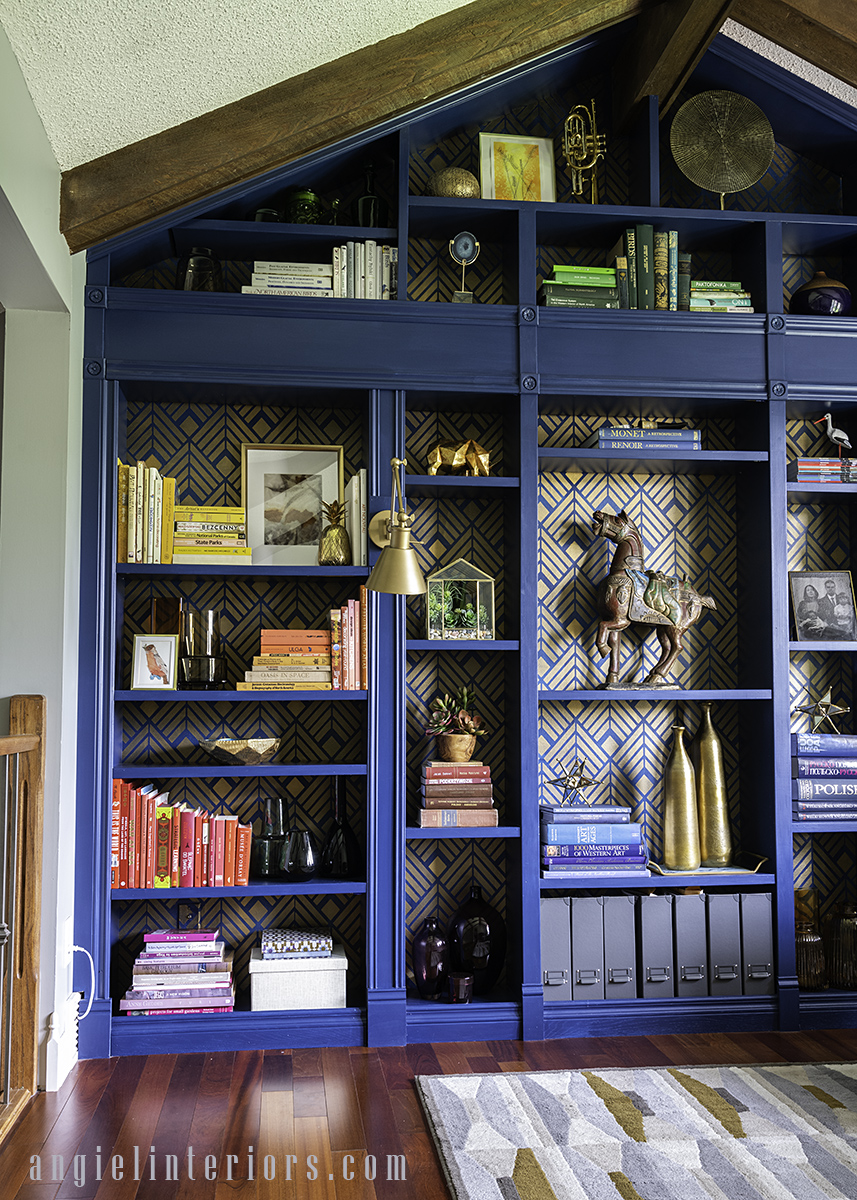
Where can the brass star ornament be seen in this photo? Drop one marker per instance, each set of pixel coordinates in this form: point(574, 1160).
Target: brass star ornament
point(573, 783)
point(823, 710)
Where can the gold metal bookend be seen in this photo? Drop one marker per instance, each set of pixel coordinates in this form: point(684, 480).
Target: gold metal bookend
point(582, 147)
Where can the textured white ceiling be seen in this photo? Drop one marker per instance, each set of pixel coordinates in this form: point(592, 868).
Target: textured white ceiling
point(106, 73)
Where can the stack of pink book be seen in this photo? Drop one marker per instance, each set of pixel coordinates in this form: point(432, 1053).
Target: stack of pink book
point(181, 971)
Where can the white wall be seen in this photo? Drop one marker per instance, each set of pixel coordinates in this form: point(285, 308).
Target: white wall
point(41, 288)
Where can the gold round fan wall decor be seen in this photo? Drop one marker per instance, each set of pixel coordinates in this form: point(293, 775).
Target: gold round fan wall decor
point(722, 142)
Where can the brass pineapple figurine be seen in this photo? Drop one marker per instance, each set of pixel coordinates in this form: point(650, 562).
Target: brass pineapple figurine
point(334, 547)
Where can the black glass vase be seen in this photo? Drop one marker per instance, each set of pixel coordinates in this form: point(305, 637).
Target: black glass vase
point(430, 961)
point(340, 856)
point(299, 857)
point(268, 846)
point(477, 939)
point(370, 209)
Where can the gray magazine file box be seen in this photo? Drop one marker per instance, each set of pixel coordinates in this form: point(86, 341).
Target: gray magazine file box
point(757, 943)
point(555, 913)
point(655, 946)
point(724, 944)
point(587, 947)
point(620, 947)
point(691, 945)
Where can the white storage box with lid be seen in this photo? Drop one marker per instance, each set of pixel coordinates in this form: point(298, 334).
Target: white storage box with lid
point(297, 982)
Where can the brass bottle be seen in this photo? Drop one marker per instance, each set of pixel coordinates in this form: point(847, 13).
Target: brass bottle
point(681, 826)
point(334, 546)
point(715, 835)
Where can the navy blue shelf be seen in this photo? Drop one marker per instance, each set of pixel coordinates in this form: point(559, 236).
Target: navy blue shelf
point(264, 1030)
point(824, 826)
point(463, 644)
point(241, 570)
point(220, 771)
point(653, 462)
point(126, 696)
point(268, 887)
point(414, 833)
point(591, 882)
point(458, 485)
point(655, 694)
point(846, 647)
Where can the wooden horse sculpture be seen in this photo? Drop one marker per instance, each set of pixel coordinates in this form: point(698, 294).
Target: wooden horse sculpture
point(630, 593)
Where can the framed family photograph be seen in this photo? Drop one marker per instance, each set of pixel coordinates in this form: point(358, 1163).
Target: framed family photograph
point(513, 167)
point(283, 489)
point(155, 662)
point(823, 603)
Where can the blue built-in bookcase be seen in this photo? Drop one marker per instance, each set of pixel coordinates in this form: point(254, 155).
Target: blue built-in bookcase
point(186, 378)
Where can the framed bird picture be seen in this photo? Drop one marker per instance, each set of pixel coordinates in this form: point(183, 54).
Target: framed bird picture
point(155, 662)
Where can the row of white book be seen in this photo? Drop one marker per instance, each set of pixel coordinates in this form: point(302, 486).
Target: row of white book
point(358, 271)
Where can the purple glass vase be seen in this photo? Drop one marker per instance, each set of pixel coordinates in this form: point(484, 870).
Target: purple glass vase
point(430, 960)
point(477, 938)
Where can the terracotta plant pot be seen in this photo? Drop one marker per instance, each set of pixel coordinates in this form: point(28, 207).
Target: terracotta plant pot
point(455, 747)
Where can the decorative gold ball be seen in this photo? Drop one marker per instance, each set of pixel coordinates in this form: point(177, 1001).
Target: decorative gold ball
point(456, 182)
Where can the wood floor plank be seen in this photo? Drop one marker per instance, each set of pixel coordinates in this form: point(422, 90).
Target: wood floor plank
point(451, 1059)
point(379, 1121)
point(136, 1134)
point(238, 1178)
point(274, 1169)
point(309, 1097)
point(306, 1062)
point(419, 1060)
point(172, 1134)
point(54, 1123)
point(345, 1127)
point(315, 1178)
point(207, 1126)
point(107, 1120)
point(277, 1071)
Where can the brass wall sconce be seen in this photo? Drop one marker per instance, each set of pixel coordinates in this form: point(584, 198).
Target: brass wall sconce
point(397, 570)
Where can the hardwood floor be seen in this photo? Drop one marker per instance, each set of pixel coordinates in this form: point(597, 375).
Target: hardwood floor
point(331, 1112)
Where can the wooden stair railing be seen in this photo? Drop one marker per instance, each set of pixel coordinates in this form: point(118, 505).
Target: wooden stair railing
point(22, 770)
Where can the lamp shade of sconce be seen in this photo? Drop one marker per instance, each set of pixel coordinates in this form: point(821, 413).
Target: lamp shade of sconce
point(397, 571)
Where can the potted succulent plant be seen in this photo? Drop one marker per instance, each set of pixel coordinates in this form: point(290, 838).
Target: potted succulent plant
point(455, 726)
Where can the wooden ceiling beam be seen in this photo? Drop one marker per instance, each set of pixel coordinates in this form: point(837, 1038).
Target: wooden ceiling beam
point(660, 54)
point(281, 124)
point(822, 32)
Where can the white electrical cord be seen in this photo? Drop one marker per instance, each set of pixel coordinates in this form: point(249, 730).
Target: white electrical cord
point(83, 950)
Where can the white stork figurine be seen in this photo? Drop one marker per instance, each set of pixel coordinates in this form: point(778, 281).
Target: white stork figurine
point(837, 436)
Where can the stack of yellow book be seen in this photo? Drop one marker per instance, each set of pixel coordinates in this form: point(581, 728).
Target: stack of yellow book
point(209, 535)
point(144, 514)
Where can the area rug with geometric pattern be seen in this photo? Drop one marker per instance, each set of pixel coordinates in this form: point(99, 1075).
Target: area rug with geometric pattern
point(669, 1133)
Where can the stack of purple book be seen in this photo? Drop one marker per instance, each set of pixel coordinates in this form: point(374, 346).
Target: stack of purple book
point(181, 971)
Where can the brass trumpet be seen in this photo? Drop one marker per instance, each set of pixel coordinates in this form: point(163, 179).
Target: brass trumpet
point(582, 147)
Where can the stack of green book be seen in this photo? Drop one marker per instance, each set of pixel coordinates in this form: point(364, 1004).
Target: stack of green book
point(580, 287)
point(719, 295)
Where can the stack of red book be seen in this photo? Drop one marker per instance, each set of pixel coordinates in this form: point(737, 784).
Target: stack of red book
point(181, 971)
point(155, 844)
point(290, 660)
point(457, 794)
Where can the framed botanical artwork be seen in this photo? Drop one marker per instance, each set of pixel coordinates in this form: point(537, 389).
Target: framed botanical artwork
point(514, 167)
point(283, 489)
point(823, 603)
point(155, 662)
